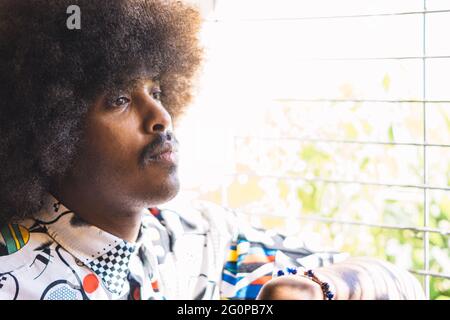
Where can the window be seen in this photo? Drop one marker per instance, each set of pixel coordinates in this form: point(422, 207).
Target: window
point(330, 120)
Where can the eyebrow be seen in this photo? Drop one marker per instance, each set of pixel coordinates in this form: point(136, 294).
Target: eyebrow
point(134, 83)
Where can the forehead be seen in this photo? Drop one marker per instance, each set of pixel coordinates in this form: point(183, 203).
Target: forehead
point(140, 82)
point(137, 81)
point(127, 85)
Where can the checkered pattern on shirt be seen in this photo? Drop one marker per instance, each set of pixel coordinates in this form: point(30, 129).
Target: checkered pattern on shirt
point(112, 267)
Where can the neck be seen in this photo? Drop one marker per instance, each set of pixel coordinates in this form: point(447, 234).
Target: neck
point(125, 226)
point(120, 220)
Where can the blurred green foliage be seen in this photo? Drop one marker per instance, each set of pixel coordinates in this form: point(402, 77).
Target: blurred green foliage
point(388, 244)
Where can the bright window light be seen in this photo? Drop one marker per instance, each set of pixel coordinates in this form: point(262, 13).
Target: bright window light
point(330, 120)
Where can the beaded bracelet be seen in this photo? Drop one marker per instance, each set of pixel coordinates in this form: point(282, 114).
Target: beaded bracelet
point(327, 294)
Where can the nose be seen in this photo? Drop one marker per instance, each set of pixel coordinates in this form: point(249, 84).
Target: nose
point(156, 118)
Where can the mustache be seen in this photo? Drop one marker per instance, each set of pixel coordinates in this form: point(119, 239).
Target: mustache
point(160, 140)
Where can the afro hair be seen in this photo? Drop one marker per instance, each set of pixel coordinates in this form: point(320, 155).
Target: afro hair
point(50, 75)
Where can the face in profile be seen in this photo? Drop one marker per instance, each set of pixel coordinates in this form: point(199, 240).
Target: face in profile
point(129, 152)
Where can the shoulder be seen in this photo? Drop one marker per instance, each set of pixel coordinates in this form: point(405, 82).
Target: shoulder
point(201, 216)
point(20, 243)
point(35, 266)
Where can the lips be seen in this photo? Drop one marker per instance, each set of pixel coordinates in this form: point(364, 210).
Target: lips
point(163, 153)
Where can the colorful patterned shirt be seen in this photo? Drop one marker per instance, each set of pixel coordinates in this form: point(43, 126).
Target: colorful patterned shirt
point(195, 251)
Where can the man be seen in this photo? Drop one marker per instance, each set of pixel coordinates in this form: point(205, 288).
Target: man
point(88, 152)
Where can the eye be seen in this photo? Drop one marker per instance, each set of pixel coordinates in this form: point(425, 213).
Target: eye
point(156, 94)
point(121, 101)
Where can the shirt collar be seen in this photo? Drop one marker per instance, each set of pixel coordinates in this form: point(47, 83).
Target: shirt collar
point(105, 254)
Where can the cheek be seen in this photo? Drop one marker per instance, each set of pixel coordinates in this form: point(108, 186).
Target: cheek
point(113, 150)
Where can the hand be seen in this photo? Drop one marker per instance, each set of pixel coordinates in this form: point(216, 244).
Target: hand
point(290, 288)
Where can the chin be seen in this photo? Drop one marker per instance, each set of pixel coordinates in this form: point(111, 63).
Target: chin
point(162, 193)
